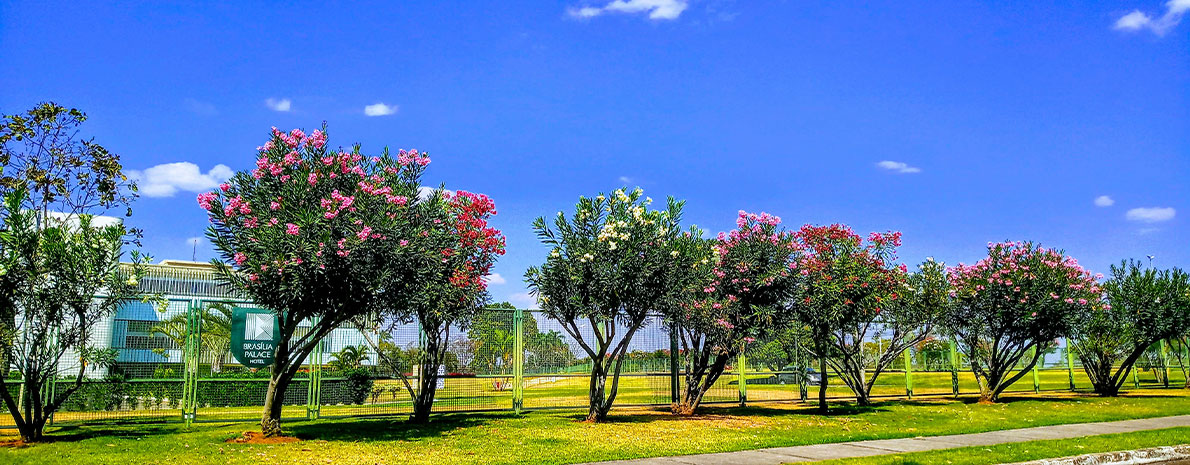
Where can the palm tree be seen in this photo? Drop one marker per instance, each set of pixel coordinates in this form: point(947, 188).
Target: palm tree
point(349, 357)
point(215, 333)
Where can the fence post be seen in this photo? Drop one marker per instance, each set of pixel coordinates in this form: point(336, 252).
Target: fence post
point(1070, 362)
point(909, 373)
point(954, 367)
point(49, 389)
point(743, 378)
point(191, 353)
point(1165, 362)
point(314, 390)
point(518, 361)
point(675, 388)
point(799, 364)
point(1036, 375)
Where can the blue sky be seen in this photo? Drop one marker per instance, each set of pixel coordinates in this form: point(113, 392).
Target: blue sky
point(1000, 121)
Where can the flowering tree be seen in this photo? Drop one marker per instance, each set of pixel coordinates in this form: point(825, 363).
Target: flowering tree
point(1144, 306)
point(1013, 303)
point(611, 264)
point(846, 284)
point(311, 234)
point(750, 280)
point(445, 282)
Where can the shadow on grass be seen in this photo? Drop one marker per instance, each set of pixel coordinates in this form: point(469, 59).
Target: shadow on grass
point(389, 428)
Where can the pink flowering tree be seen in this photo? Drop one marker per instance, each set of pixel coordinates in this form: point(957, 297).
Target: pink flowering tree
point(444, 284)
point(846, 284)
point(1144, 306)
point(611, 265)
point(748, 281)
point(1009, 308)
point(310, 234)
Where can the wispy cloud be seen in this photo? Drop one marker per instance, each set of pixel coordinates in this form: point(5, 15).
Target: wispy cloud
point(379, 109)
point(167, 179)
point(1150, 214)
point(1104, 201)
point(495, 279)
point(200, 108)
point(1138, 20)
point(523, 300)
point(625, 180)
point(655, 9)
point(898, 167)
point(278, 104)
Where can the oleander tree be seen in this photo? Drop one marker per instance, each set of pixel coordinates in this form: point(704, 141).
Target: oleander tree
point(1144, 306)
point(60, 270)
point(846, 283)
point(1008, 309)
point(445, 284)
point(611, 265)
point(749, 282)
point(312, 234)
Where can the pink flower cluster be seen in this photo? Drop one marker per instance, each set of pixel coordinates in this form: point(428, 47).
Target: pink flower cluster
point(404, 158)
point(1016, 271)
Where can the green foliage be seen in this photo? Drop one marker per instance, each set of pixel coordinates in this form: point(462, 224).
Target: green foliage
point(1144, 306)
point(348, 358)
point(611, 263)
point(1011, 306)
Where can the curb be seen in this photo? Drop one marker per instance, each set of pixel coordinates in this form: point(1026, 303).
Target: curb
point(1131, 457)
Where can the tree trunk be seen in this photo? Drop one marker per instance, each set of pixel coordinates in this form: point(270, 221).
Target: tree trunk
point(427, 379)
point(270, 421)
point(822, 383)
point(699, 380)
point(597, 392)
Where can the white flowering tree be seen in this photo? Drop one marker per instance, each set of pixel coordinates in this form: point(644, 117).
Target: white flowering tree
point(611, 265)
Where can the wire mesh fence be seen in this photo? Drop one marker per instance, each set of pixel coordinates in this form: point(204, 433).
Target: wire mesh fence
point(176, 364)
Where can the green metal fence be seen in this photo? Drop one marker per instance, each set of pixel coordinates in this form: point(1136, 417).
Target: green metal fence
point(175, 365)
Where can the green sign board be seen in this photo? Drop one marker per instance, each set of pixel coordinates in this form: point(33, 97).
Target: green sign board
point(254, 336)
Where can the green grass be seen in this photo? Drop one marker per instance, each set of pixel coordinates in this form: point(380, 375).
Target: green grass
point(1033, 450)
point(558, 436)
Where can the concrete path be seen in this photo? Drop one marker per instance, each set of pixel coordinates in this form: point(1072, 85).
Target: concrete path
point(779, 455)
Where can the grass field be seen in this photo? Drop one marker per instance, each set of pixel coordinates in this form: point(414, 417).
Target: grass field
point(569, 391)
point(1033, 450)
point(557, 436)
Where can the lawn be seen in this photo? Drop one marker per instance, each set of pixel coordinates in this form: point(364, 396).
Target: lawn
point(557, 436)
point(1033, 450)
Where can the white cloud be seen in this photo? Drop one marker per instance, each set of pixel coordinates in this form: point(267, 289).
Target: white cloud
point(523, 300)
point(200, 108)
point(379, 109)
point(1150, 214)
point(625, 180)
point(495, 279)
point(1137, 20)
point(1104, 201)
point(424, 192)
point(167, 179)
point(899, 167)
point(656, 9)
point(278, 104)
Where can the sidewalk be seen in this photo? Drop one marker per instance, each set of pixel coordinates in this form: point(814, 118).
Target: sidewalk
point(811, 453)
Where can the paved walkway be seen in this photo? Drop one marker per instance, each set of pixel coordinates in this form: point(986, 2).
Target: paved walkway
point(779, 455)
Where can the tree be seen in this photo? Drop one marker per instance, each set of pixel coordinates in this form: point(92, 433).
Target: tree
point(610, 265)
point(846, 284)
point(1010, 306)
point(349, 358)
point(215, 333)
point(1144, 306)
point(749, 282)
point(313, 234)
point(60, 274)
point(446, 284)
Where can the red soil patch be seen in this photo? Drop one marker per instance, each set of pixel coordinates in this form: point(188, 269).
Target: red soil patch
point(254, 437)
point(12, 443)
